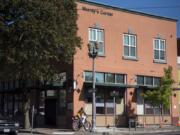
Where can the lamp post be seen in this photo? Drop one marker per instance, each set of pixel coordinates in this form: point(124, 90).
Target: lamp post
point(93, 52)
point(114, 94)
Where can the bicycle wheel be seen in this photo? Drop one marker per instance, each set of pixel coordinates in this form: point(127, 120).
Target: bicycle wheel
point(75, 125)
point(87, 126)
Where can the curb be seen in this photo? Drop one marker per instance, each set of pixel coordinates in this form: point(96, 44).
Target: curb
point(106, 131)
point(137, 131)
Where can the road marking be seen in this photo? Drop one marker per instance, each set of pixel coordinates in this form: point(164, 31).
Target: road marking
point(63, 133)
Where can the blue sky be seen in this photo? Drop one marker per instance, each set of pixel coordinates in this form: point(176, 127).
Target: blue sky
point(166, 8)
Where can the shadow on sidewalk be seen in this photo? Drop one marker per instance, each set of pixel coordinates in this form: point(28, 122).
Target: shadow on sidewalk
point(33, 132)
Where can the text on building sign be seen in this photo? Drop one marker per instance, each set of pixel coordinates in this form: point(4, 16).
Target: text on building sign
point(97, 11)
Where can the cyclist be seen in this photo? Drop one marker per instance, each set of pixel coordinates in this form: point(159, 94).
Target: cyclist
point(82, 115)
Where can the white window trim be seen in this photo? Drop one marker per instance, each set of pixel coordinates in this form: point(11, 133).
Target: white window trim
point(106, 78)
point(144, 80)
point(154, 48)
point(129, 45)
point(96, 38)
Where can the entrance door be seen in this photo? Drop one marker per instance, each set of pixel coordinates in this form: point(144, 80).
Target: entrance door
point(50, 112)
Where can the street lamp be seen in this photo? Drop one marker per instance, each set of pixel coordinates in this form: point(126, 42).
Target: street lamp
point(114, 94)
point(93, 52)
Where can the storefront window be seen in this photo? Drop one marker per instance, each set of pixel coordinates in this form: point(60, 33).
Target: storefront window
point(62, 101)
point(100, 108)
point(104, 101)
point(149, 109)
point(109, 103)
point(146, 107)
point(41, 109)
point(18, 105)
point(155, 110)
point(166, 111)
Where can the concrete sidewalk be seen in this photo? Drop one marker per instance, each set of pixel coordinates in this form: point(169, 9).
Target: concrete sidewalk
point(102, 130)
point(138, 130)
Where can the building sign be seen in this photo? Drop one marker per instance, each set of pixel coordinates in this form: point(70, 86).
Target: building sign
point(97, 11)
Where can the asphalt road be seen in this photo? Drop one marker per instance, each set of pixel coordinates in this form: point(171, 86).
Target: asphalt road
point(85, 133)
point(163, 133)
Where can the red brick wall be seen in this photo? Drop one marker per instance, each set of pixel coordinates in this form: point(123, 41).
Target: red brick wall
point(146, 28)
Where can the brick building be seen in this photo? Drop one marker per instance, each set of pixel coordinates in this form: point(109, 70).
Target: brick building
point(134, 48)
point(178, 63)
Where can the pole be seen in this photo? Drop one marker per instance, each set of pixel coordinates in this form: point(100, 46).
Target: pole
point(32, 120)
point(94, 99)
point(114, 102)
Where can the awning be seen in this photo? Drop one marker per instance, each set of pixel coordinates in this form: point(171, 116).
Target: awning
point(113, 85)
point(146, 87)
point(13, 88)
point(55, 85)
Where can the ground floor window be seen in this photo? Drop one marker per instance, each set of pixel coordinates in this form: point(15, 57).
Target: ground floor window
point(10, 104)
point(155, 110)
point(62, 102)
point(145, 107)
point(104, 102)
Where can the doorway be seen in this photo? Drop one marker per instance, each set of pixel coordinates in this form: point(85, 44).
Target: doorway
point(50, 111)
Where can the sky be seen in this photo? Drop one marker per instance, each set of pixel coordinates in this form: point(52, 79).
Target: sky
point(165, 8)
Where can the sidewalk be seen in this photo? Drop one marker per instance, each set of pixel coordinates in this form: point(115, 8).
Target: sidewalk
point(103, 130)
point(138, 130)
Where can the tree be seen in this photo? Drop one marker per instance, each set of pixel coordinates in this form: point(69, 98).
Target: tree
point(160, 96)
point(35, 35)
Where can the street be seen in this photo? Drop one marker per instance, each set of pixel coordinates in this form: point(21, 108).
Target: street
point(162, 133)
point(87, 133)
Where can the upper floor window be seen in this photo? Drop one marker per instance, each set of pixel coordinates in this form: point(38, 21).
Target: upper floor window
point(102, 77)
point(148, 80)
point(159, 50)
point(129, 42)
point(97, 35)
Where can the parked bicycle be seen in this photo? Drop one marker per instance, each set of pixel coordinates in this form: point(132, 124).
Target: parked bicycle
point(80, 120)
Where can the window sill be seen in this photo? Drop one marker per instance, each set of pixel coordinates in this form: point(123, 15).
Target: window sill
point(101, 55)
point(130, 58)
point(160, 61)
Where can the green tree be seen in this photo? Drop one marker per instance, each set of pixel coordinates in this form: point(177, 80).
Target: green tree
point(160, 96)
point(35, 36)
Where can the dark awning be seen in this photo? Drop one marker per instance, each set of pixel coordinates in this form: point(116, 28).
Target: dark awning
point(146, 87)
point(111, 85)
point(18, 88)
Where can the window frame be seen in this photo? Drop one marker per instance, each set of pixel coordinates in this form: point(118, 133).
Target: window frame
point(159, 60)
point(106, 74)
point(165, 112)
point(105, 77)
point(96, 39)
point(104, 104)
point(144, 80)
point(129, 45)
